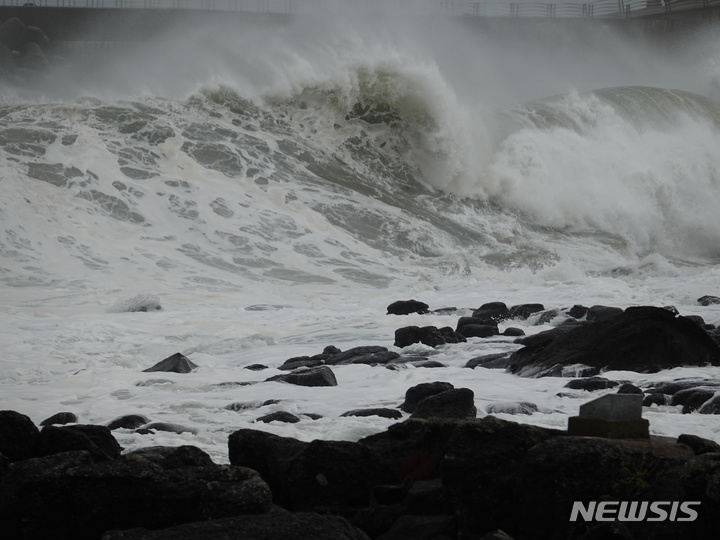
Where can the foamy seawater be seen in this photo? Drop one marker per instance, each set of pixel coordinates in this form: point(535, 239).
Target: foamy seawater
point(273, 202)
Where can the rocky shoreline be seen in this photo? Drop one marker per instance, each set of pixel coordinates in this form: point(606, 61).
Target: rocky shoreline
point(439, 474)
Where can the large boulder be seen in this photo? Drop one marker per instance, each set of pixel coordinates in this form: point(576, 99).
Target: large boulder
point(18, 436)
point(318, 475)
point(558, 473)
point(69, 495)
point(454, 403)
point(643, 339)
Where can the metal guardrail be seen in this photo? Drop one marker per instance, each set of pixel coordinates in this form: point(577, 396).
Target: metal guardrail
point(596, 9)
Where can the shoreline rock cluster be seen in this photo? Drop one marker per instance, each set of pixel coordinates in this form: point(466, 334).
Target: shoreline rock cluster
point(439, 474)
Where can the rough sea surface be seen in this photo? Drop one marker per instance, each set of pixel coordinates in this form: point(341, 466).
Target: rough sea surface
point(250, 196)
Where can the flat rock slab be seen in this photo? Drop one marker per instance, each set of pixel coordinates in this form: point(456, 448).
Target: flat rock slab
point(609, 429)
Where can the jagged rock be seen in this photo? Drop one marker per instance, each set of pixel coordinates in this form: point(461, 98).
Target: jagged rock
point(176, 363)
point(128, 421)
point(417, 393)
point(393, 414)
point(523, 311)
point(455, 403)
point(277, 524)
point(18, 436)
point(60, 418)
point(319, 376)
point(698, 444)
point(279, 416)
point(39, 494)
point(405, 307)
point(643, 339)
point(489, 361)
point(170, 427)
point(591, 384)
point(708, 300)
point(601, 313)
point(512, 407)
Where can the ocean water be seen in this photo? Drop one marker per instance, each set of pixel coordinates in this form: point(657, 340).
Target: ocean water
point(266, 190)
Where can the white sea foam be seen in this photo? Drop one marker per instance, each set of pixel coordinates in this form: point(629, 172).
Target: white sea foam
point(270, 219)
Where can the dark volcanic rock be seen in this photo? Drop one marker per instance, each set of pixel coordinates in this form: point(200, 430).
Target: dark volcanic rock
point(577, 311)
point(177, 363)
point(368, 354)
point(698, 444)
point(39, 494)
point(319, 376)
point(708, 300)
point(591, 384)
point(691, 399)
point(497, 311)
point(128, 421)
point(256, 367)
point(512, 407)
point(318, 474)
point(174, 457)
point(478, 330)
point(277, 524)
point(279, 416)
point(427, 335)
point(417, 393)
point(405, 307)
point(490, 361)
point(170, 427)
point(561, 470)
point(300, 361)
point(511, 331)
point(523, 311)
point(382, 412)
point(712, 406)
point(628, 388)
point(654, 398)
point(18, 436)
point(455, 403)
point(96, 440)
point(643, 339)
point(600, 313)
point(60, 418)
